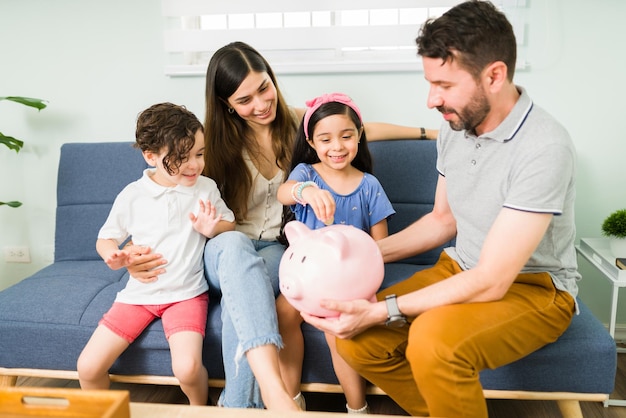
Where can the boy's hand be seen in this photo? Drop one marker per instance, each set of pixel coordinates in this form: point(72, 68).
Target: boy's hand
point(206, 220)
point(117, 259)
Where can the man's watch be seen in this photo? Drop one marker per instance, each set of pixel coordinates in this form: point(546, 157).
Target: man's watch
point(395, 318)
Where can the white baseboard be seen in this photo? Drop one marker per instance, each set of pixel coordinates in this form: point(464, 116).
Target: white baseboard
point(620, 332)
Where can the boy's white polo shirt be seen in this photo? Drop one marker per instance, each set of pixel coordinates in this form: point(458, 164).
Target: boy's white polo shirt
point(158, 217)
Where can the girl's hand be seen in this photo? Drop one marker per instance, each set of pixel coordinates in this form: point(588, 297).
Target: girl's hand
point(322, 203)
point(206, 220)
point(142, 264)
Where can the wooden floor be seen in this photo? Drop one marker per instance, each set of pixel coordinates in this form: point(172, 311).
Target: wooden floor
point(378, 404)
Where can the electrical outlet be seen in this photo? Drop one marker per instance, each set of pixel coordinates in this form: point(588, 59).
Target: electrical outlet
point(17, 254)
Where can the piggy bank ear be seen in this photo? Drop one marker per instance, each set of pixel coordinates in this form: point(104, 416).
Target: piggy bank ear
point(294, 230)
point(338, 242)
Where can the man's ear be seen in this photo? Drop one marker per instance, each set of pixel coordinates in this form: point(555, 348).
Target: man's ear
point(495, 76)
point(150, 157)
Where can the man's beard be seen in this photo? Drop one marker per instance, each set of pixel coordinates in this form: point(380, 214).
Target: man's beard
point(471, 115)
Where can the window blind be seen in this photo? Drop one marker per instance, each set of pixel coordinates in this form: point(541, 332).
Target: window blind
point(300, 37)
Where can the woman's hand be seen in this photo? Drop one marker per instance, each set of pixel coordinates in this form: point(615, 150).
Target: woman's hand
point(142, 264)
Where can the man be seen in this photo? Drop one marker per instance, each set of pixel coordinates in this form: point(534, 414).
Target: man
point(506, 192)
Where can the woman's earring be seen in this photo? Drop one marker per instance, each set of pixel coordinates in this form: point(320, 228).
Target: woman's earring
point(231, 110)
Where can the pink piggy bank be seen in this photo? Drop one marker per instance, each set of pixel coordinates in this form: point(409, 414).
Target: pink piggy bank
point(335, 262)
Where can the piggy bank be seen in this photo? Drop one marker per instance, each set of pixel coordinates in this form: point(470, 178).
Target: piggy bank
point(335, 262)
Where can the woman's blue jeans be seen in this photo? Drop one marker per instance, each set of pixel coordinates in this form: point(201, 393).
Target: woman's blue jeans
point(245, 271)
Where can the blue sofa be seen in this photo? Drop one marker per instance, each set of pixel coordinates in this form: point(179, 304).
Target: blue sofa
point(46, 319)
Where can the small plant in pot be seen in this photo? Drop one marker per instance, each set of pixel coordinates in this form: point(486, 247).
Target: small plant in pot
point(614, 227)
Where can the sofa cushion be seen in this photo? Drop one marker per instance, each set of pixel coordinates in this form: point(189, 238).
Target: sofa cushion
point(408, 173)
point(586, 358)
point(87, 185)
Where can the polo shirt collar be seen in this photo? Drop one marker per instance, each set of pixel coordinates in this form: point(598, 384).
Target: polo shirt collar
point(509, 127)
point(155, 190)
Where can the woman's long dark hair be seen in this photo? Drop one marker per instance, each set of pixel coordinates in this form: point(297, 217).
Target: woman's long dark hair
point(227, 135)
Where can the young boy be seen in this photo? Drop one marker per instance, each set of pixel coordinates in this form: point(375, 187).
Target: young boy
point(171, 209)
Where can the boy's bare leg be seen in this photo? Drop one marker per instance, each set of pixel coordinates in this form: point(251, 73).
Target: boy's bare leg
point(94, 362)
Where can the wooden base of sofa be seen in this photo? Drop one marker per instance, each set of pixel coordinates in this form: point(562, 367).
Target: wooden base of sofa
point(568, 402)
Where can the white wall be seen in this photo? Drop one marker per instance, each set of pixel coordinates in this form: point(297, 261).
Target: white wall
point(99, 63)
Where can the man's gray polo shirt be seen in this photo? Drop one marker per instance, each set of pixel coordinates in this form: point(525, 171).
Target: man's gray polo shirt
point(527, 163)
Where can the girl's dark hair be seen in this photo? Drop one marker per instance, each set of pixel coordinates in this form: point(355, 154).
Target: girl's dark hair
point(475, 33)
point(227, 134)
point(170, 127)
point(304, 153)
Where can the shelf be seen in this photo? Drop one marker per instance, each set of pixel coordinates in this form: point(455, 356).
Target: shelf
point(598, 252)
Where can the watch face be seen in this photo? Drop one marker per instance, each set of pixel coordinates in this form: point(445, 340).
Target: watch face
point(396, 322)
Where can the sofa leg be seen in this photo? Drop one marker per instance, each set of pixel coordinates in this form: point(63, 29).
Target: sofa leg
point(8, 381)
point(570, 408)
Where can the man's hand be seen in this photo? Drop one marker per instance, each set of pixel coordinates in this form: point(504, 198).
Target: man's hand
point(354, 317)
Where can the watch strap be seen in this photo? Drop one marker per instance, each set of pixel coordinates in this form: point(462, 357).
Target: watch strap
point(392, 306)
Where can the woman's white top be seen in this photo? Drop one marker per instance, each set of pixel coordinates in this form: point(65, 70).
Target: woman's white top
point(264, 210)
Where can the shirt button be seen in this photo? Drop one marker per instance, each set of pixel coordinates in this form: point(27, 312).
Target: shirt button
point(473, 162)
point(477, 146)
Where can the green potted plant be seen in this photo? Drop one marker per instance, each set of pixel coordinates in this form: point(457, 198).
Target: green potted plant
point(614, 227)
point(14, 143)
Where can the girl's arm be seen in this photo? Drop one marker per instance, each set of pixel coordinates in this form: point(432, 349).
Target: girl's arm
point(320, 200)
point(284, 193)
point(380, 230)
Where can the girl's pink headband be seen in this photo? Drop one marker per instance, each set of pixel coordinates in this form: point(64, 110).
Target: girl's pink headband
point(313, 105)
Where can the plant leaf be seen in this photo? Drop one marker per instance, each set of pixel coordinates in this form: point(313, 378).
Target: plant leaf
point(13, 204)
point(27, 101)
point(12, 143)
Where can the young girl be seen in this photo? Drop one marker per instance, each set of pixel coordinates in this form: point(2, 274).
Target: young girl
point(330, 183)
point(174, 209)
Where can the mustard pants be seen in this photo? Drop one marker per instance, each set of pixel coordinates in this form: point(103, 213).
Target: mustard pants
point(431, 367)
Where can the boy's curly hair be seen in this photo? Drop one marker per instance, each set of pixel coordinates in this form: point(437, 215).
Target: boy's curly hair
point(169, 127)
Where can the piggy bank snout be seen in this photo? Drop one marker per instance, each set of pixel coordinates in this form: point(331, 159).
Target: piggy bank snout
point(290, 288)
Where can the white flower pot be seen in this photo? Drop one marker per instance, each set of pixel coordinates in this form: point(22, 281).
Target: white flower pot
point(618, 247)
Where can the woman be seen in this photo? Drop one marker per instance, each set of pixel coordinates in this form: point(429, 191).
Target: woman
point(249, 133)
